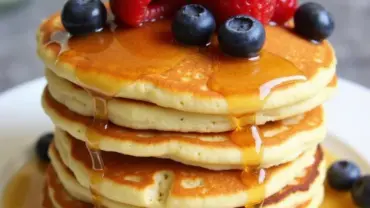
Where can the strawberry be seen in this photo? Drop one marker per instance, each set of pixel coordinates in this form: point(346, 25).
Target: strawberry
point(136, 12)
point(262, 10)
point(284, 10)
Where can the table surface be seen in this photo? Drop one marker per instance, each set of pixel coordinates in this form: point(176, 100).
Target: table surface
point(19, 63)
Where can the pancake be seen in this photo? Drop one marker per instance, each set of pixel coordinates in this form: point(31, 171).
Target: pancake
point(142, 115)
point(55, 194)
point(151, 182)
point(46, 201)
point(308, 184)
point(283, 141)
point(302, 189)
point(146, 64)
point(59, 191)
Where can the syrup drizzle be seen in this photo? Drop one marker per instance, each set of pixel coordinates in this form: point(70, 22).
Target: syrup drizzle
point(266, 88)
point(93, 145)
point(100, 118)
point(61, 38)
point(266, 73)
point(262, 76)
point(17, 192)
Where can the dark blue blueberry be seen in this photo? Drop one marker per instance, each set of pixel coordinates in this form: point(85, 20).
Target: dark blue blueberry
point(313, 22)
point(80, 17)
point(242, 36)
point(361, 192)
point(342, 175)
point(42, 146)
point(193, 25)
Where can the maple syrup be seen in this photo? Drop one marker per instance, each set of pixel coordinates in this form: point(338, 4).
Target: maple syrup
point(24, 190)
point(117, 58)
point(261, 76)
point(100, 120)
point(229, 77)
point(334, 199)
point(100, 111)
point(232, 77)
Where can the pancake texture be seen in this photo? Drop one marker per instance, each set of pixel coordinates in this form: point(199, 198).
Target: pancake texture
point(283, 141)
point(182, 78)
point(163, 183)
point(143, 121)
point(308, 184)
point(143, 115)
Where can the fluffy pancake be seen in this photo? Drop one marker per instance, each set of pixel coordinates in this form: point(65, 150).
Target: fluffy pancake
point(59, 191)
point(146, 64)
point(55, 196)
point(143, 115)
point(308, 184)
point(282, 141)
point(46, 201)
point(151, 182)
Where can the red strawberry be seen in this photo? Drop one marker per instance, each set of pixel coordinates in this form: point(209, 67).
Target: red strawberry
point(262, 10)
point(284, 10)
point(136, 12)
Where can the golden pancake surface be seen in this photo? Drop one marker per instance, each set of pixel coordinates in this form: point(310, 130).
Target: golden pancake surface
point(143, 121)
point(128, 179)
point(147, 64)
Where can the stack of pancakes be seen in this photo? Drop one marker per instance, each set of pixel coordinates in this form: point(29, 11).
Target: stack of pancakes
point(144, 122)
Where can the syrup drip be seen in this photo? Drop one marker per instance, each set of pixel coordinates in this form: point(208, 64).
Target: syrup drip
point(25, 187)
point(61, 38)
point(266, 88)
point(100, 118)
point(250, 140)
point(93, 145)
point(229, 77)
point(264, 74)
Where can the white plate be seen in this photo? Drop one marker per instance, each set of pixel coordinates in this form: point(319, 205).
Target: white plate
point(22, 121)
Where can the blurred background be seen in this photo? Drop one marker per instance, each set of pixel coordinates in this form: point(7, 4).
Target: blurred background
point(19, 20)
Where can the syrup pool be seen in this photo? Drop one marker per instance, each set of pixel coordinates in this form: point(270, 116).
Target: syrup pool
point(25, 188)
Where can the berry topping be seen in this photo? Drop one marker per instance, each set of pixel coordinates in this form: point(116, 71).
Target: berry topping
point(313, 22)
point(42, 146)
point(193, 25)
point(261, 10)
point(342, 175)
point(136, 12)
point(361, 192)
point(284, 10)
point(242, 36)
point(84, 16)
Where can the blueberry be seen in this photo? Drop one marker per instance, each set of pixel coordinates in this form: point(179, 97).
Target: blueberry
point(361, 192)
point(193, 25)
point(342, 175)
point(312, 21)
point(42, 146)
point(242, 36)
point(80, 17)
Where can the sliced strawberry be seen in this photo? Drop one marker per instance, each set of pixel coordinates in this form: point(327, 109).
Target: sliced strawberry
point(284, 11)
point(262, 10)
point(136, 12)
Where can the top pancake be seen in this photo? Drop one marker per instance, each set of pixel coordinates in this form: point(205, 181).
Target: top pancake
point(146, 64)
